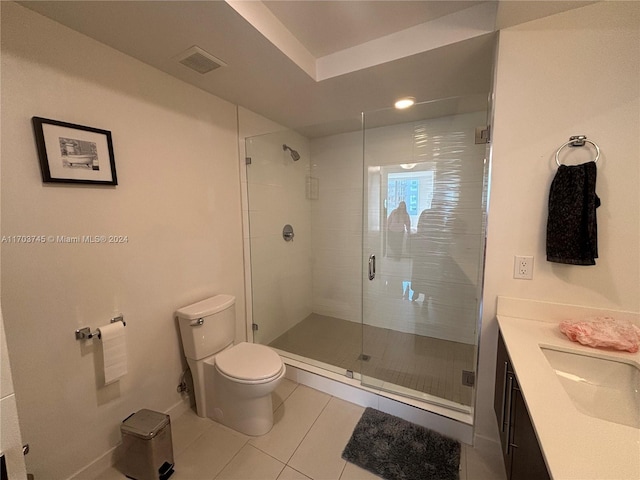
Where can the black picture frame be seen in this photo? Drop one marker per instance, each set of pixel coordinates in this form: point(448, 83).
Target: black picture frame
point(71, 153)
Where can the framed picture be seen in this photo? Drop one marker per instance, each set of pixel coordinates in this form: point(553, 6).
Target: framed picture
point(73, 153)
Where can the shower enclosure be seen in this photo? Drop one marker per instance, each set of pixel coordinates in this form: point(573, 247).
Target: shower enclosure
point(367, 250)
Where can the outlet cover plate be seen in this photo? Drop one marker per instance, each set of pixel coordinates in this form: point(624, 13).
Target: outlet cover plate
point(523, 267)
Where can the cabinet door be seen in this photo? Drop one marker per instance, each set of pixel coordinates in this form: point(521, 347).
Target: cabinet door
point(501, 394)
point(527, 462)
point(522, 455)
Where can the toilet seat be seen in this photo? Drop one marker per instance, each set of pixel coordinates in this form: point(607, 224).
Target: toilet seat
point(249, 363)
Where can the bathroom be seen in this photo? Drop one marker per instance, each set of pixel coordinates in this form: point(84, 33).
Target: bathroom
point(179, 202)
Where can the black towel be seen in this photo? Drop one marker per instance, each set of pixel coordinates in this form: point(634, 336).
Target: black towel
point(572, 234)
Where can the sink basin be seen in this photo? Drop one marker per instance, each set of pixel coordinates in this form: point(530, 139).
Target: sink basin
point(608, 389)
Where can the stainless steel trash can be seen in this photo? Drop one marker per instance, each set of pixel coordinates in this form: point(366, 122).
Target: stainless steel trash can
point(147, 446)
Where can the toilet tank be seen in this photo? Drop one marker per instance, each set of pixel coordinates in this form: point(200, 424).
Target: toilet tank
point(208, 326)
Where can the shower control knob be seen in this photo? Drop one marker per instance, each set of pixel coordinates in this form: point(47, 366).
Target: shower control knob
point(287, 233)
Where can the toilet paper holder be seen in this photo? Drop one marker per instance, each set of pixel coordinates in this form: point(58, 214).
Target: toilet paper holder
point(86, 333)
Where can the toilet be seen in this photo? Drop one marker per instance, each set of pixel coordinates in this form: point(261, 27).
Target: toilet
point(232, 383)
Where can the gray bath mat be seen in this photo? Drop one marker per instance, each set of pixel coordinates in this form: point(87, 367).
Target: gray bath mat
point(399, 450)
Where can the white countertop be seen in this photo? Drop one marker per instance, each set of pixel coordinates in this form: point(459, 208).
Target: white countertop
point(575, 445)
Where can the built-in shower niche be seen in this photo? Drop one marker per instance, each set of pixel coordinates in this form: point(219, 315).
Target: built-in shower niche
point(412, 330)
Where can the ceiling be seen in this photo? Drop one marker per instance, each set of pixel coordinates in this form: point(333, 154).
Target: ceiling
point(326, 27)
point(314, 65)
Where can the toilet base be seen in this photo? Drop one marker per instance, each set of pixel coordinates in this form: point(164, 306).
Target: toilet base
point(244, 408)
point(257, 422)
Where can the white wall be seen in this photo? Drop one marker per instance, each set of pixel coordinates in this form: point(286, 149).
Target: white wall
point(569, 74)
point(178, 201)
point(10, 435)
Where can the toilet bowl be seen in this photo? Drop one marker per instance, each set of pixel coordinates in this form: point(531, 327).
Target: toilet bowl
point(232, 383)
point(239, 382)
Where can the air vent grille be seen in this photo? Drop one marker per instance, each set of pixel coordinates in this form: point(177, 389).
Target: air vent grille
point(197, 59)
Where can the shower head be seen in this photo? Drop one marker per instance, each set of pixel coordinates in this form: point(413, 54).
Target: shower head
point(295, 155)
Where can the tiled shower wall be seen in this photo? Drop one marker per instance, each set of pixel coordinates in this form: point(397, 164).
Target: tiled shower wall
point(336, 226)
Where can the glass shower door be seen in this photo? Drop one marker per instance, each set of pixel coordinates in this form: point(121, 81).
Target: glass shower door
point(277, 203)
point(423, 241)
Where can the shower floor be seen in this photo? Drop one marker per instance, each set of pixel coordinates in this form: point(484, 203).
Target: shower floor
point(423, 364)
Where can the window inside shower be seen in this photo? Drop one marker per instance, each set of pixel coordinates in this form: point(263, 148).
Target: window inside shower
point(413, 188)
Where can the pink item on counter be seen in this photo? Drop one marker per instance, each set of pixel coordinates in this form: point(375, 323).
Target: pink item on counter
point(603, 332)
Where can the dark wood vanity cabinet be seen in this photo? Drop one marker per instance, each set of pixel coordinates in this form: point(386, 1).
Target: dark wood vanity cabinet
point(520, 449)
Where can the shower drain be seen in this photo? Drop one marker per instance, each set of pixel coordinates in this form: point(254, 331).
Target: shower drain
point(364, 358)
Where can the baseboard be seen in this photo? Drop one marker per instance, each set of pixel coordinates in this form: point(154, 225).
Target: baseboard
point(180, 407)
point(98, 466)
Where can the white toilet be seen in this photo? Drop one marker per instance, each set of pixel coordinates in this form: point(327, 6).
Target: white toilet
point(233, 383)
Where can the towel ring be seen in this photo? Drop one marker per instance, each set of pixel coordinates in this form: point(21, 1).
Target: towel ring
point(578, 141)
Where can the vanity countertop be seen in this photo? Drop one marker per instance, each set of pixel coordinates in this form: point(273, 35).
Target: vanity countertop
point(575, 445)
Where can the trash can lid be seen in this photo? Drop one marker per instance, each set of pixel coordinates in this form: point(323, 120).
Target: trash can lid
point(144, 423)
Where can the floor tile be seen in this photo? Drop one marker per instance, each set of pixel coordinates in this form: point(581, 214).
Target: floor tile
point(463, 462)
point(251, 464)
point(186, 428)
point(110, 474)
point(417, 362)
point(321, 459)
point(206, 457)
point(292, 421)
point(353, 472)
point(480, 469)
point(306, 443)
point(282, 392)
point(290, 474)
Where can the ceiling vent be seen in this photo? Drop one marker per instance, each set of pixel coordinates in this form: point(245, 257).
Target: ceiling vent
point(197, 59)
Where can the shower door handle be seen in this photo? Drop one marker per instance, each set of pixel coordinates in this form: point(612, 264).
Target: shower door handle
point(372, 267)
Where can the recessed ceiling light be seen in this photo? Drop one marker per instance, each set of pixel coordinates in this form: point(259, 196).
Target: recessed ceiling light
point(405, 102)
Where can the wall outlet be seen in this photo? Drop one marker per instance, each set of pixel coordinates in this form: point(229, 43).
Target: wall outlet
point(523, 267)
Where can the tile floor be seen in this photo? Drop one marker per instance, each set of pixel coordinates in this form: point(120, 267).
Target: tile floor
point(310, 431)
point(417, 362)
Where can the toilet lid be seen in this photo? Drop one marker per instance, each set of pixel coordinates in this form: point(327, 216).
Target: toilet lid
point(249, 361)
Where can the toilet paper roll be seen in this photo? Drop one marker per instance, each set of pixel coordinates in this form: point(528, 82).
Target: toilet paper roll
point(114, 351)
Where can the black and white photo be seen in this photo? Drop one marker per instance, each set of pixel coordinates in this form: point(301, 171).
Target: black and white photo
point(72, 153)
